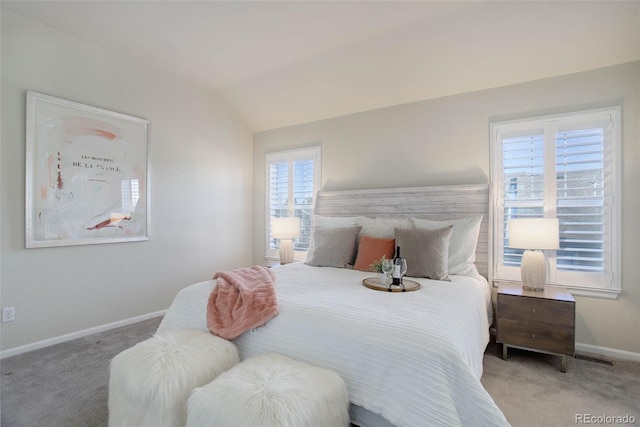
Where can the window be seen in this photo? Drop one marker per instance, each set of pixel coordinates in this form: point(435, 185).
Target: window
point(293, 178)
point(564, 166)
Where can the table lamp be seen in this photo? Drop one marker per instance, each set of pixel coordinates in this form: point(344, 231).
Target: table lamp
point(533, 235)
point(286, 229)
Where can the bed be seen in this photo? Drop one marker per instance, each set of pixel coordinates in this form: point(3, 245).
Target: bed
point(408, 358)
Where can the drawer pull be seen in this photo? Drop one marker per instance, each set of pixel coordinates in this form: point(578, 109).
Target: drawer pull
point(533, 310)
point(533, 335)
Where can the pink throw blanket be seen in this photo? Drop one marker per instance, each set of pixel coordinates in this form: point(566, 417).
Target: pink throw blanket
point(243, 299)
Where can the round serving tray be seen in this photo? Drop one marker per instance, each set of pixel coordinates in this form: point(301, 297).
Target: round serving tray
point(374, 283)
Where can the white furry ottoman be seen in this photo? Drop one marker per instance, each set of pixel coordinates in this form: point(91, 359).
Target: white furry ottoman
point(150, 382)
point(271, 390)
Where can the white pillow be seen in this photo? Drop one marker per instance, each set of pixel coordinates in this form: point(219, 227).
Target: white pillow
point(462, 246)
point(319, 221)
point(382, 227)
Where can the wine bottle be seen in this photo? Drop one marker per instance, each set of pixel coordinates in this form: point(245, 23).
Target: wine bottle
point(397, 267)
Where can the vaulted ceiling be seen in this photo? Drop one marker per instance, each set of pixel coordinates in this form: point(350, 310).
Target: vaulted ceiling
point(288, 62)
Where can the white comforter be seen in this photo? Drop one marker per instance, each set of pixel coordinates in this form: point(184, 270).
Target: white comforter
point(414, 358)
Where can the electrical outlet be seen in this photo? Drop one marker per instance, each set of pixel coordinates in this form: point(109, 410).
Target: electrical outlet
point(8, 314)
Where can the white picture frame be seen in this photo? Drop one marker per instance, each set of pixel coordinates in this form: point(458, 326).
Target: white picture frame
point(87, 177)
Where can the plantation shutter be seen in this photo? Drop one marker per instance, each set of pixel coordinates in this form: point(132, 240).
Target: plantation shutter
point(523, 185)
point(566, 167)
point(292, 180)
point(303, 192)
point(278, 194)
point(580, 197)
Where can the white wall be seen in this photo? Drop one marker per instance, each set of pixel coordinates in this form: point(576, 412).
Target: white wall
point(446, 141)
point(201, 181)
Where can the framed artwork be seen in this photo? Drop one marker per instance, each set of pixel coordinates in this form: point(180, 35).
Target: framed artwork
point(87, 174)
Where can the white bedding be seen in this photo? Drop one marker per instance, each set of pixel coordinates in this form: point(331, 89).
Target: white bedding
point(414, 358)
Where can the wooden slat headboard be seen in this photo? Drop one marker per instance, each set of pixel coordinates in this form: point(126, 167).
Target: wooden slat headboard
point(433, 202)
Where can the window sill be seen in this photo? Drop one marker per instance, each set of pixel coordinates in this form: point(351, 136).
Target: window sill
point(610, 294)
point(276, 259)
point(594, 293)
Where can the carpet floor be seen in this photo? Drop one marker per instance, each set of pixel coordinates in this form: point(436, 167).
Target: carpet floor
point(531, 390)
point(66, 385)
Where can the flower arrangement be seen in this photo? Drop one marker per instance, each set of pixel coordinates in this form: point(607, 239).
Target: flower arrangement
point(376, 266)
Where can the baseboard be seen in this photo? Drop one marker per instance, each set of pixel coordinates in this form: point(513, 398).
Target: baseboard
point(595, 349)
point(609, 352)
point(79, 334)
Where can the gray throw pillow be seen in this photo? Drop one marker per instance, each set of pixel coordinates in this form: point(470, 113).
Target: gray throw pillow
point(426, 251)
point(333, 247)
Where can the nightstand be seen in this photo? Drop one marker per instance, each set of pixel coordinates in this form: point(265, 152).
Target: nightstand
point(536, 320)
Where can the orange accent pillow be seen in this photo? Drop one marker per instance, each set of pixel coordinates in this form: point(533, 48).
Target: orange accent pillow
point(372, 249)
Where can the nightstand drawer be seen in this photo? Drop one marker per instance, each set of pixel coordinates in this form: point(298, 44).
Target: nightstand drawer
point(536, 310)
point(536, 336)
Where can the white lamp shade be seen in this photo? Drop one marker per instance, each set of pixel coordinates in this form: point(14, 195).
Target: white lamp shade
point(285, 228)
point(534, 233)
